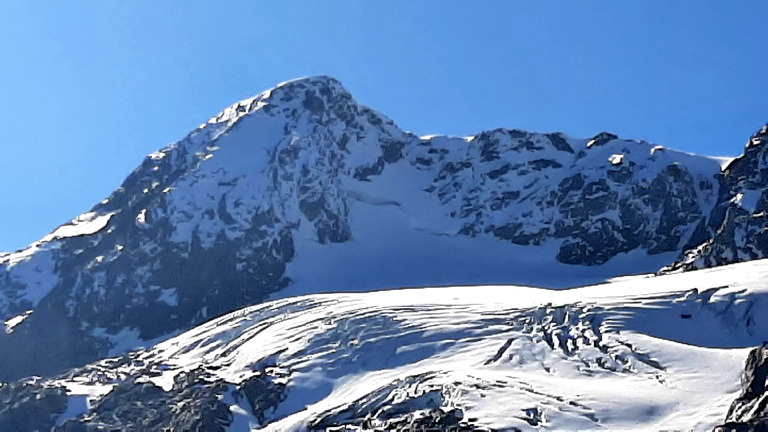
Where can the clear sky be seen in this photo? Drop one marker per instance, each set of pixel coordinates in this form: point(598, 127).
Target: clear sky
point(87, 88)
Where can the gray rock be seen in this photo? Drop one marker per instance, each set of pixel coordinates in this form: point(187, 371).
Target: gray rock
point(749, 412)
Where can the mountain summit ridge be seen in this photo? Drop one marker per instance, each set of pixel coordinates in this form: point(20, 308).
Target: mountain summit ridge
point(301, 189)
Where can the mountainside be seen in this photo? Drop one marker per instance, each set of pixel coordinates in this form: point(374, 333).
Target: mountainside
point(644, 353)
point(739, 221)
point(301, 190)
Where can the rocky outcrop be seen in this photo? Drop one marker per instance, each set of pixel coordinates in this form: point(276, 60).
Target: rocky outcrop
point(749, 412)
point(738, 222)
point(30, 405)
point(612, 196)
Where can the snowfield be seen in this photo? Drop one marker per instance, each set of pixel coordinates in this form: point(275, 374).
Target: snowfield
point(647, 352)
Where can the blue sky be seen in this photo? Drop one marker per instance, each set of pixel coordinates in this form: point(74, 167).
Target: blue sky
point(88, 88)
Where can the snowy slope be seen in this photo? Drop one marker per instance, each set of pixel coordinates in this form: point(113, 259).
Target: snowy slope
point(648, 353)
point(301, 189)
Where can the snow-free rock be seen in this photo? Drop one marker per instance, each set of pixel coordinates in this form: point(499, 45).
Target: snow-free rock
point(748, 412)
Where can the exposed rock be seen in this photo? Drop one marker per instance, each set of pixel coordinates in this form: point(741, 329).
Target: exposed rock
point(736, 227)
point(194, 404)
point(749, 412)
point(30, 405)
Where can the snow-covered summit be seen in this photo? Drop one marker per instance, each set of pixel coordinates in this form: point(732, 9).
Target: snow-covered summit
point(301, 189)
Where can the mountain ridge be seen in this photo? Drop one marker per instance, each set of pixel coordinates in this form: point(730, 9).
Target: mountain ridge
point(228, 216)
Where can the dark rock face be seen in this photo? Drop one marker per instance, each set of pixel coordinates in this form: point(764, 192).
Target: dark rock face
point(749, 412)
point(210, 223)
point(601, 139)
point(30, 405)
point(192, 405)
point(736, 227)
point(195, 403)
point(533, 189)
point(262, 394)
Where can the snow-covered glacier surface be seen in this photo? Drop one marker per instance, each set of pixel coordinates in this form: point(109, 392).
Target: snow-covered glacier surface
point(642, 353)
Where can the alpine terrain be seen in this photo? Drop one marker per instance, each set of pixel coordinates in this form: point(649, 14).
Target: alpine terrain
point(267, 272)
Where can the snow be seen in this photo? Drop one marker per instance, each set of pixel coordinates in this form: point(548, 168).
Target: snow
point(478, 346)
point(671, 350)
point(428, 256)
point(724, 161)
point(122, 341)
point(76, 405)
point(169, 296)
point(748, 199)
point(141, 218)
point(14, 322)
point(85, 224)
point(36, 267)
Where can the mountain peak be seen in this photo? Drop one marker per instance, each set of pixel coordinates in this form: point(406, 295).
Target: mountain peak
point(758, 137)
point(312, 80)
point(279, 193)
point(313, 93)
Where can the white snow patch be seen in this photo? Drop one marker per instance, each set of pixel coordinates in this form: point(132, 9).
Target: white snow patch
point(748, 199)
point(724, 161)
point(35, 267)
point(85, 224)
point(411, 258)
point(14, 322)
point(141, 218)
point(76, 405)
point(170, 297)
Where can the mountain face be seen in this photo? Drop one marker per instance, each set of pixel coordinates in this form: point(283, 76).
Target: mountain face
point(454, 358)
point(739, 221)
point(301, 189)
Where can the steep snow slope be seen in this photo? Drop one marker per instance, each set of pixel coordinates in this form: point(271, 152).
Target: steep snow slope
point(301, 189)
point(650, 353)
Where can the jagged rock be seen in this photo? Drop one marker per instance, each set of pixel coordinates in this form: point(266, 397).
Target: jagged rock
point(194, 405)
point(749, 412)
point(407, 404)
point(30, 405)
point(736, 227)
point(262, 393)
